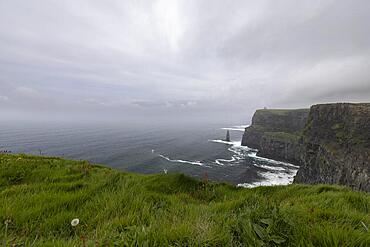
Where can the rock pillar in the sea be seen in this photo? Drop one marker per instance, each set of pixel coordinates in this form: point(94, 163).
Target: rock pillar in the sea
point(227, 136)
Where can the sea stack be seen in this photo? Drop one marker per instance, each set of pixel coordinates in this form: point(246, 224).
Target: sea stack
point(227, 136)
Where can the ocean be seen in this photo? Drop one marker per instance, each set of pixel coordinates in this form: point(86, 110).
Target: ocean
point(195, 150)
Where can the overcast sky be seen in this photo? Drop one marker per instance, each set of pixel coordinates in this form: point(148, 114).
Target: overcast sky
point(179, 60)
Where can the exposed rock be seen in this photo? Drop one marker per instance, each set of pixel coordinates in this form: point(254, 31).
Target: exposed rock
point(333, 147)
point(227, 136)
point(275, 133)
point(336, 146)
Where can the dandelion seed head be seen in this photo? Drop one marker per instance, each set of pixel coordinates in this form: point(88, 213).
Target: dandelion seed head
point(75, 222)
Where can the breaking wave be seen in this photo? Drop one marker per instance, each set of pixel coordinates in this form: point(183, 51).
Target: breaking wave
point(198, 163)
point(236, 128)
point(272, 173)
point(269, 172)
point(272, 178)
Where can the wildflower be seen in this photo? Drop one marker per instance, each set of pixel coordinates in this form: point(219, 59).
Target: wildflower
point(165, 171)
point(75, 222)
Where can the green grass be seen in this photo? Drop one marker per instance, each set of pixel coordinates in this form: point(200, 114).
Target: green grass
point(279, 135)
point(41, 195)
point(282, 112)
point(284, 136)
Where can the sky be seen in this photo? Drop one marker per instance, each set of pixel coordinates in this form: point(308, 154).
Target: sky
point(186, 60)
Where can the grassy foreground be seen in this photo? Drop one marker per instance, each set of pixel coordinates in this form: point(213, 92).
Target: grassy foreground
point(41, 195)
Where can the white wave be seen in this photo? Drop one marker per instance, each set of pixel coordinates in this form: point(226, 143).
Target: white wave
point(279, 172)
point(221, 141)
point(241, 126)
point(219, 161)
point(254, 155)
point(274, 168)
point(278, 176)
point(198, 163)
point(230, 128)
point(233, 143)
point(236, 128)
point(236, 148)
point(272, 179)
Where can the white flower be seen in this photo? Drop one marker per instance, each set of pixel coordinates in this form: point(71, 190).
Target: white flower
point(75, 222)
point(165, 171)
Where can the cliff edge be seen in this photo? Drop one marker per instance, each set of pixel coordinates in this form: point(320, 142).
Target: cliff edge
point(335, 146)
point(276, 132)
point(330, 142)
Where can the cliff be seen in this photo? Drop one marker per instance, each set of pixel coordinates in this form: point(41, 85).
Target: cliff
point(336, 146)
point(330, 142)
point(276, 132)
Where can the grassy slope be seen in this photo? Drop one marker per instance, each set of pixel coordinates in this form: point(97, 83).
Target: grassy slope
point(41, 195)
point(282, 111)
point(289, 136)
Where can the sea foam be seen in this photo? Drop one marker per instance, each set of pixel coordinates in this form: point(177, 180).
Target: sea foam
point(198, 163)
point(276, 173)
point(272, 172)
point(236, 128)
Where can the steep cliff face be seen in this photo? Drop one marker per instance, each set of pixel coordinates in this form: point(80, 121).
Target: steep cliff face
point(335, 146)
point(331, 144)
point(275, 133)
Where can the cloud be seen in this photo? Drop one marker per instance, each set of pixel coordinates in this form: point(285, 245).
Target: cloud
point(4, 98)
point(194, 57)
point(165, 104)
point(26, 91)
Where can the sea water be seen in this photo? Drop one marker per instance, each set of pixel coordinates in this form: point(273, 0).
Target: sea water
point(195, 150)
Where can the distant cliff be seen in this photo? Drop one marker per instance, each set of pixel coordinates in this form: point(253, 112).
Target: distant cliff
point(330, 142)
point(276, 132)
point(335, 146)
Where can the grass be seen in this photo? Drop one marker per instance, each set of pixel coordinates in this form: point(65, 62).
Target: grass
point(282, 112)
point(41, 195)
point(278, 135)
point(284, 136)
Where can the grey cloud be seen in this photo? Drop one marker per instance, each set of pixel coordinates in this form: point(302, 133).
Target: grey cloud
point(3, 98)
point(153, 104)
point(190, 58)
